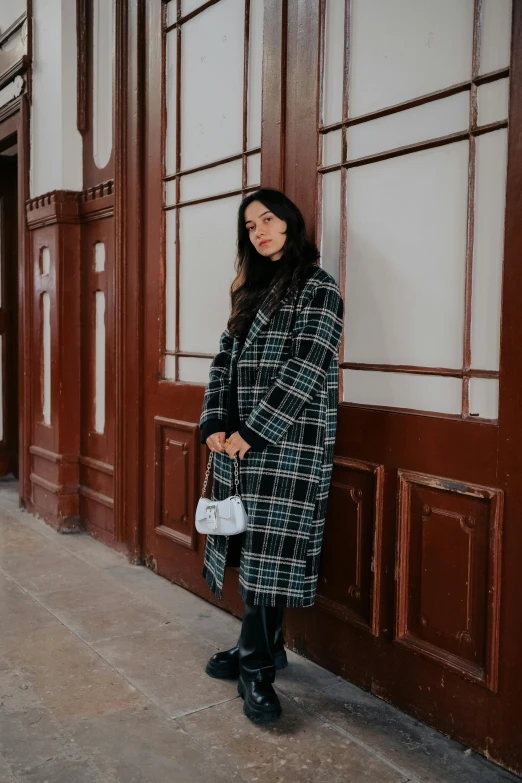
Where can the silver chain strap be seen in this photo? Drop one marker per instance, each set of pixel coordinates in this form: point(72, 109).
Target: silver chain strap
point(207, 474)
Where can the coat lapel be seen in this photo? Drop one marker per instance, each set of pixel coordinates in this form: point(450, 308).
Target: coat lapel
point(261, 319)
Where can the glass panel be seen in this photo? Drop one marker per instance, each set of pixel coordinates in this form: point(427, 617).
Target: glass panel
point(99, 257)
point(483, 397)
point(253, 169)
point(207, 231)
point(172, 12)
point(190, 5)
point(407, 48)
point(99, 363)
point(170, 192)
point(103, 57)
point(333, 62)
point(1, 259)
point(255, 72)
point(493, 101)
point(170, 102)
point(331, 230)
point(404, 390)
point(170, 367)
point(194, 370)
point(488, 249)
point(430, 121)
point(406, 257)
point(495, 35)
point(212, 56)
point(332, 148)
point(209, 182)
point(46, 358)
point(170, 280)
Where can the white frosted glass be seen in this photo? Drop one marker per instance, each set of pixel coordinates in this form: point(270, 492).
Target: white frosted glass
point(187, 6)
point(192, 370)
point(331, 223)
point(435, 393)
point(495, 35)
point(332, 148)
point(254, 169)
point(483, 397)
point(45, 261)
point(1, 389)
point(170, 192)
point(333, 62)
point(103, 59)
point(407, 48)
point(99, 257)
point(255, 73)
point(493, 101)
point(429, 121)
point(406, 257)
point(170, 280)
point(46, 355)
point(212, 84)
point(210, 182)
point(172, 8)
point(208, 250)
point(170, 102)
point(170, 367)
point(488, 249)
point(99, 363)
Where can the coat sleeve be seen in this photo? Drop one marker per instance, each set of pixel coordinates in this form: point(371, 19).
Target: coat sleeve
point(317, 334)
point(215, 402)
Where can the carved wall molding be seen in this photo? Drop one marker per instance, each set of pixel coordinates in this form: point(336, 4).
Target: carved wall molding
point(448, 574)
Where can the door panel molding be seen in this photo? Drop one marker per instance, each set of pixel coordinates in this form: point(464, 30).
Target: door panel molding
point(449, 539)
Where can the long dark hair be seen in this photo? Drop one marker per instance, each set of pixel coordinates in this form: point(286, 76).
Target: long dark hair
point(254, 281)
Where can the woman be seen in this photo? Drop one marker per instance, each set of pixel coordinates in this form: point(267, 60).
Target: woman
point(272, 400)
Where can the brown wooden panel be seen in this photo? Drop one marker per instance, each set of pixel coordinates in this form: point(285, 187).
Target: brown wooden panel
point(448, 573)
point(176, 462)
point(346, 582)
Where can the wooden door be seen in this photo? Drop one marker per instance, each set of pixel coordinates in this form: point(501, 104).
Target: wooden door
point(203, 155)
point(387, 123)
point(398, 142)
point(8, 316)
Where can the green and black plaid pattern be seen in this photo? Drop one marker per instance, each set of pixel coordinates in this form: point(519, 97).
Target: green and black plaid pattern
point(288, 394)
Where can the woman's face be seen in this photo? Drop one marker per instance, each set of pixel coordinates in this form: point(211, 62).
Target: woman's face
point(266, 231)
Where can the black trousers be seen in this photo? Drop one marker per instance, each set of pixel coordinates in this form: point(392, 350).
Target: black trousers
point(260, 640)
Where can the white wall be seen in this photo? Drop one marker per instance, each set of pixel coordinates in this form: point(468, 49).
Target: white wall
point(10, 11)
point(56, 144)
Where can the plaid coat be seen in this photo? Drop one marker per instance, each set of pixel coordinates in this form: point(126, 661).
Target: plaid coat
point(288, 394)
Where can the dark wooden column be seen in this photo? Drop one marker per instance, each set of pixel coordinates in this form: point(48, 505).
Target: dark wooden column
point(53, 223)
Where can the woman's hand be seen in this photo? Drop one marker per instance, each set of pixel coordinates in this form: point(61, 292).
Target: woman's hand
point(216, 442)
point(236, 445)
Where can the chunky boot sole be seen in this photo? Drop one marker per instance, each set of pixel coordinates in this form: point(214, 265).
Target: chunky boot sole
point(253, 712)
point(232, 672)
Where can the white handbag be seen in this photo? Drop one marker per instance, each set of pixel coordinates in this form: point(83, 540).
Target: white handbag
point(221, 517)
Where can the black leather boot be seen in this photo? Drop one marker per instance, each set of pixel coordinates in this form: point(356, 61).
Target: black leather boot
point(225, 665)
point(257, 667)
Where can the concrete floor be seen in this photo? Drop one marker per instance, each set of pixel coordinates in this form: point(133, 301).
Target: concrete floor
point(102, 680)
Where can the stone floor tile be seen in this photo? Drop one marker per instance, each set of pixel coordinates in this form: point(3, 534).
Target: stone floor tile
point(421, 751)
point(100, 614)
point(168, 666)
point(6, 774)
point(144, 746)
point(47, 570)
point(295, 748)
point(68, 677)
point(31, 737)
point(19, 613)
point(60, 771)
